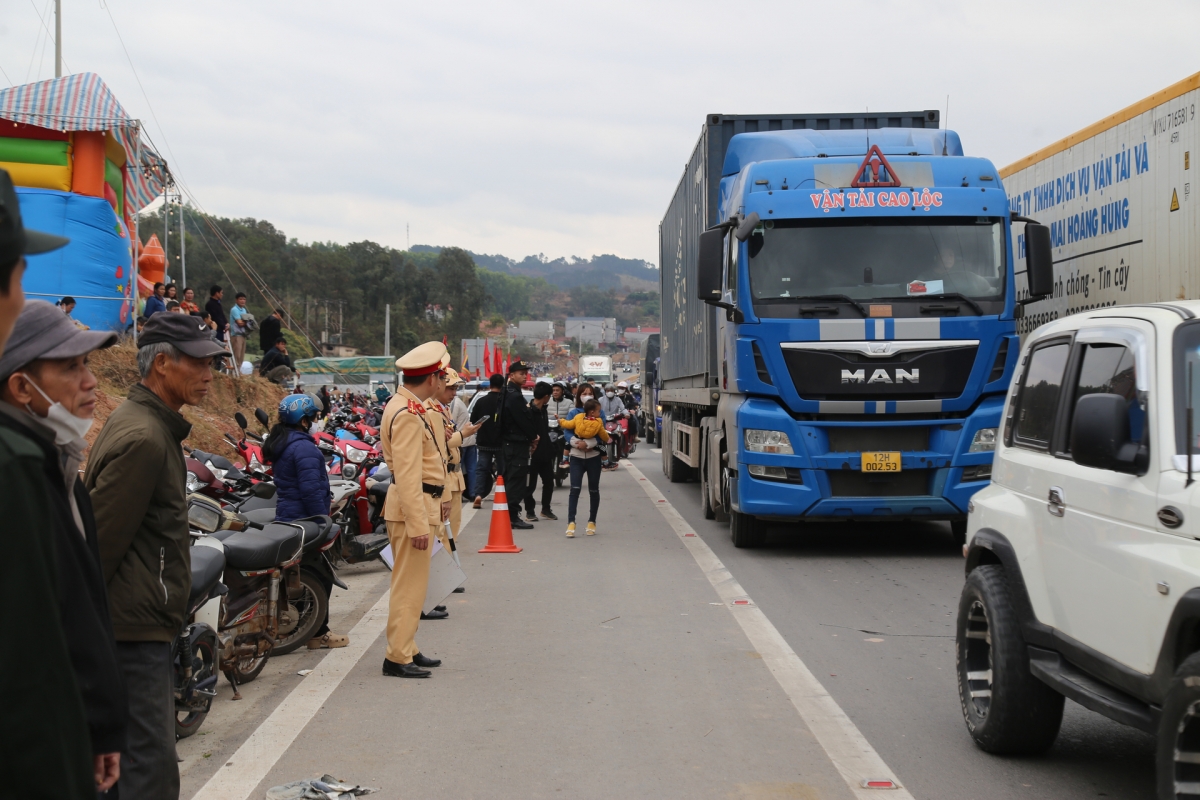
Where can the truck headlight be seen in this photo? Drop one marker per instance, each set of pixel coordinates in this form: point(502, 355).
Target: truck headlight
point(984, 441)
point(768, 442)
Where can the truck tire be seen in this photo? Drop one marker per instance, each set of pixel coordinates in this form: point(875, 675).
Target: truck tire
point(648, 427)
point(1179, 730)
point(746, 531)
point(705, 501)
point(1007, 710)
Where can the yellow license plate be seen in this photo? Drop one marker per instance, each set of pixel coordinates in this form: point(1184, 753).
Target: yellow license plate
point(880, 462)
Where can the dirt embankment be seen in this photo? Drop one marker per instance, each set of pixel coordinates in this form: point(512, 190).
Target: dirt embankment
point(116, 370)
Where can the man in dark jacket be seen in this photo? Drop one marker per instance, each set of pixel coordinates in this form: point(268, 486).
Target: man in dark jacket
point(544, 459)
point(488, 439)
point(136, 474)
point(270, 330)
point(518, 437)
point(47, 733)
point(44, 364)
point(277, 364)
point(217, 311)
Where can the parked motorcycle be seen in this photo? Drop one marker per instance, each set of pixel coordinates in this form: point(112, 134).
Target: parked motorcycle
point(195, 649)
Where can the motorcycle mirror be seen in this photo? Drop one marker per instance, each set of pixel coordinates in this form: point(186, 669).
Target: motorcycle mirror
point(263, 490)
point(240, 418)
point(262, 417)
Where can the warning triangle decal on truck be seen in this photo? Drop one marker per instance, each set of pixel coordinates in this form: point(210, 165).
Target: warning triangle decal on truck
point(1174, 201)
point(874, 171)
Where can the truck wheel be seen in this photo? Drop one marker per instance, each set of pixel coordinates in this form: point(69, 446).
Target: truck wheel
point(746, 531)
point(648, 427)
point(1007, 709)
point(1178, 754)
point(705, 501)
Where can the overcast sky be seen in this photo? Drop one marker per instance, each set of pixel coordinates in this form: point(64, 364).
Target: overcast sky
point(556, 128)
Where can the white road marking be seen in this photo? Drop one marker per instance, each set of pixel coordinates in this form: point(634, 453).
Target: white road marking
point(246, 768)
point(846, 747)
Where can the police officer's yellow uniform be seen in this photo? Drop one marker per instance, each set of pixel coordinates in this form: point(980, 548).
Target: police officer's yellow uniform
point(455, 483)
point(411, 441)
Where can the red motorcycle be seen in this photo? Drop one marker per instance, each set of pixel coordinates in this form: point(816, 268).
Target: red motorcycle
point(249, 447)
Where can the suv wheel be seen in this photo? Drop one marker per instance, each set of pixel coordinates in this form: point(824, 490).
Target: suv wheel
point(1178, 757)
point(1007, 709)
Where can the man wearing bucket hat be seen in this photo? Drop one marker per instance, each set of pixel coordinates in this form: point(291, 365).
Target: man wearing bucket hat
point(49, 734)
point(136, 474)
point(48, 396)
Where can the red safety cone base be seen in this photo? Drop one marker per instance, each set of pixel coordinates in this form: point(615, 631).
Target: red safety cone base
point(500, 535)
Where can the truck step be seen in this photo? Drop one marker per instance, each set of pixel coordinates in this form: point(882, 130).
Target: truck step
point(1067, 679)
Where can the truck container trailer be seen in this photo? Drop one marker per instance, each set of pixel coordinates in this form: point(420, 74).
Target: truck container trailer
point(838, 319)
point(1117, 198)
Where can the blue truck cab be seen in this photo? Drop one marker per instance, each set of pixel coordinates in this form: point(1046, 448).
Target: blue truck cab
point(850, 328)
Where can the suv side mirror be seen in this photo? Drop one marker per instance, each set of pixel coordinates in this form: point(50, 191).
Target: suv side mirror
point(708, 265)
point(1100, 435)
point(1039, 260)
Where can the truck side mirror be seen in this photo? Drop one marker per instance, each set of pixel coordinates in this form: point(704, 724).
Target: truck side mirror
point(1100, 435)
point(747, 227)
point(1039, 260)
point(708, 266)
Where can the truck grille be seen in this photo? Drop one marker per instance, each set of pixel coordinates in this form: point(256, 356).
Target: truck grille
point(856, 439)
point(851, 483)
point(934, 374)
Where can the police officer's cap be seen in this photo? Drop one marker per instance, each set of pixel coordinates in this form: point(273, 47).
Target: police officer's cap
point(425, 359)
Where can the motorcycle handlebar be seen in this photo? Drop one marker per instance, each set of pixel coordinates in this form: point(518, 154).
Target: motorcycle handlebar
point(256, 525)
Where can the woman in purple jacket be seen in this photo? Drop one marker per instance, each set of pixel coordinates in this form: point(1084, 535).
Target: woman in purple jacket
point(301, 482)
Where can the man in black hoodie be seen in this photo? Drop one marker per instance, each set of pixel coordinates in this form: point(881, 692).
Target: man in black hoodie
point(488, 439)
point(518, 437)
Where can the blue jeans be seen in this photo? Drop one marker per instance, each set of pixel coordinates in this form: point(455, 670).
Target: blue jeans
point(469, 457)
point(486, 463)
point(580, 466)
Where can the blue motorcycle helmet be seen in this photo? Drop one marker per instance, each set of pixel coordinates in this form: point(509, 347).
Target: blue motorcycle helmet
point(295, 408)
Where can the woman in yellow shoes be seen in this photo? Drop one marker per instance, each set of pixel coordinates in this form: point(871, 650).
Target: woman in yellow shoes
point(588, 429)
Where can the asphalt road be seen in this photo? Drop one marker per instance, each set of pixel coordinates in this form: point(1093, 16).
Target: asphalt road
point(870, 608)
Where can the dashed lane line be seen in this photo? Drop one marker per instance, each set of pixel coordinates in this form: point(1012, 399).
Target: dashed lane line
point(846, 747)
point(246, 768)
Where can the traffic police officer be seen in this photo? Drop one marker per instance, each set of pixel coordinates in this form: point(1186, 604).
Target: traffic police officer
point(417, 501)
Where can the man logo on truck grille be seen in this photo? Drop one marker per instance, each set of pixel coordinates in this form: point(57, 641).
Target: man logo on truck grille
point(881, 376)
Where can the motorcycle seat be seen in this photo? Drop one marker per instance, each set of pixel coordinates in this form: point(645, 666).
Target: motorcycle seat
point(255, 550)
point(256, 503)
point(208, 563)
point(263, 516)
point(317, 531)
point(378, 491)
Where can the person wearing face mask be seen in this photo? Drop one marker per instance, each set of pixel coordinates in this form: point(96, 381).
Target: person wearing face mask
point(47, 733)
point(48, 396)
point(136, 478)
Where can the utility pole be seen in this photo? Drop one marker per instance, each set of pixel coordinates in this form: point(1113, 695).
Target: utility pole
point(341, 330)
point(166, 226)
point(183, 247)
point(58, 38)
point(387, 329)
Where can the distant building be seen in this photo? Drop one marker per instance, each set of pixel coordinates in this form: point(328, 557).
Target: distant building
point(532, 330)
point(338, 351)
point(593, 330)
point(639, 334)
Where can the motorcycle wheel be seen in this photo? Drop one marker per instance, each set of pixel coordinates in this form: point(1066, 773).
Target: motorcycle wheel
point(247, 669)
point(189, 718)
point(311, 605)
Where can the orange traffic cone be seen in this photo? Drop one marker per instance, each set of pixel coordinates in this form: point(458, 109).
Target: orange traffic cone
point(500, 533)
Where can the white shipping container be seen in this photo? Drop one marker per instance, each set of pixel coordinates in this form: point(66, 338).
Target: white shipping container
point(1117, 198)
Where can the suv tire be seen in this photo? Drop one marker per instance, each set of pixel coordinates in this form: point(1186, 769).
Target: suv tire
point(1179, 730)
point(1007, 709)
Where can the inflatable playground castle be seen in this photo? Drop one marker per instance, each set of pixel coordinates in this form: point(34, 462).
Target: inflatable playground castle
point(82, 171)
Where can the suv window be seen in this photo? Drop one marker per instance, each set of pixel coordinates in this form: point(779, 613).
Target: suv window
point(1038, 402)
point(1109, 369)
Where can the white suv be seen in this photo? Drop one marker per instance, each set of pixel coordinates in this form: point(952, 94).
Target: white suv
point(1083, 565)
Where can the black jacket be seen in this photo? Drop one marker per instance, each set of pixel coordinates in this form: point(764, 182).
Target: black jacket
point(489, 435)
point(546, 450)
point(269, 331)
point(272, 359)
point(217, 312)
point(83, 602)
point(516, 426)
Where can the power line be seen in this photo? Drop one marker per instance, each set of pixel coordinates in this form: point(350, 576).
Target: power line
point(37, 42)
point(48, 35)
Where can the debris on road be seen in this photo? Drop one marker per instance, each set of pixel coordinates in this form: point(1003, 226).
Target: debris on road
point(326, 787)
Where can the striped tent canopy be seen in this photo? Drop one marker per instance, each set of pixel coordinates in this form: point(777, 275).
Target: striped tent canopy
point(84, 102)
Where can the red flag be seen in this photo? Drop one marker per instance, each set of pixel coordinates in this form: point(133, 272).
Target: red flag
point(498, 366)
point(487, 356)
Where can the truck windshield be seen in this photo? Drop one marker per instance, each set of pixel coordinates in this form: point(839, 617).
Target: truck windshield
point(877, 258)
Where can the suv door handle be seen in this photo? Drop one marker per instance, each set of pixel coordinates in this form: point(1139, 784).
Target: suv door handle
point(1055, 503)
